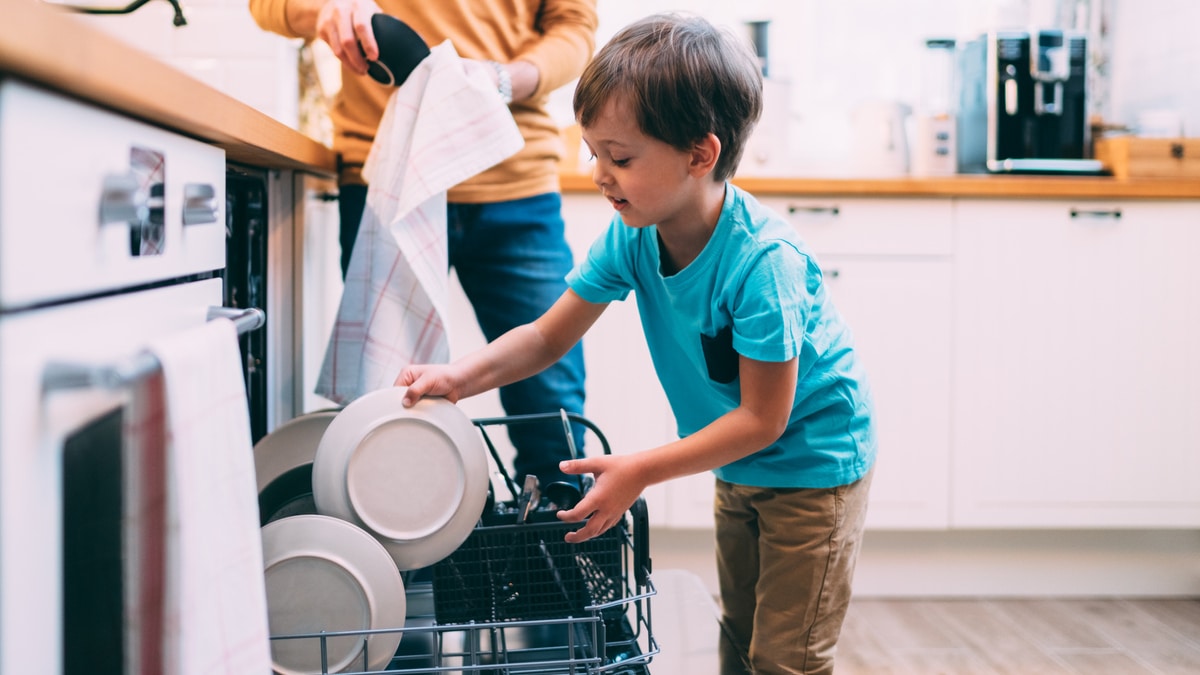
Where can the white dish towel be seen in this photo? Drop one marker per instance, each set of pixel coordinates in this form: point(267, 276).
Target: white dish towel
point(445, 124)
point(215, 609)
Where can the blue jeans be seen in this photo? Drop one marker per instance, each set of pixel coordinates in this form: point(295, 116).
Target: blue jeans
point(512, 259)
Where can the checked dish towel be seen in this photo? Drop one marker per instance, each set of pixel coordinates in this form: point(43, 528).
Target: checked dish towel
point(444, 125)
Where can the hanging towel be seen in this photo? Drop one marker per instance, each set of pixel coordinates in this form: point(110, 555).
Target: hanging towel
point(215, 613)
point(444, 125)
point(145, 435)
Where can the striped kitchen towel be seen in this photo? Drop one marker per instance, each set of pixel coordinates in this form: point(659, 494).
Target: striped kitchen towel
point(444, 125)
point(215, 605)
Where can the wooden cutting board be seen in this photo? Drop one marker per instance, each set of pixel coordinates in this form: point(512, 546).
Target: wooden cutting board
point(1132, 157)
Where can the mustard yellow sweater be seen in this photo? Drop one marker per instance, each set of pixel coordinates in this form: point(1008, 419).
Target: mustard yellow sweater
point(557, 36)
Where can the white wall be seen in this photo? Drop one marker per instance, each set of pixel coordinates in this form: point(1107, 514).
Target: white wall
point(1155, 59)
point(221, 45)
point(830, 56)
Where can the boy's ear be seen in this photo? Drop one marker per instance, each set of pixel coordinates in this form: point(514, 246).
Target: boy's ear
point(705, 154)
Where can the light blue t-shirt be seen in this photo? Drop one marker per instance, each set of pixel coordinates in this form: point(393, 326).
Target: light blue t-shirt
point(754, 290)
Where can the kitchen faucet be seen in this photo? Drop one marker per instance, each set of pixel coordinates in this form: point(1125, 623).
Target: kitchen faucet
point(135, 4)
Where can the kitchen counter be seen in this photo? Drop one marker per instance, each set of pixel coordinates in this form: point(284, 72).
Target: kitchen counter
point(49, 46)
point(977, 185)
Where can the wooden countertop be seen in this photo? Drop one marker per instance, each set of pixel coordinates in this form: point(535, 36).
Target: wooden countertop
point(49, 46)
point(1020, 187)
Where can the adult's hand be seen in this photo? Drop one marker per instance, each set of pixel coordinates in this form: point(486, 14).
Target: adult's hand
point(345, 25)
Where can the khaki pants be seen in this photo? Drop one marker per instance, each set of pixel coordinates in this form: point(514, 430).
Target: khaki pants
point(785, 562)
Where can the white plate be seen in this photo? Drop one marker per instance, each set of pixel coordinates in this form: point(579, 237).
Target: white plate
point(416, 478)
point(324, 574)
point(283, 465)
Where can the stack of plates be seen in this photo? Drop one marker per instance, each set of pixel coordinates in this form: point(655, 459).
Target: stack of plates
point(324, 574)
point(410, 481)
point(283, 464)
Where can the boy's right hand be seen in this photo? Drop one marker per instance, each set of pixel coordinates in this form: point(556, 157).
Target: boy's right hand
point(428, 380)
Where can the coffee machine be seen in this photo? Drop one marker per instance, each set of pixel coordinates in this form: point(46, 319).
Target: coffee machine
point(1023, 104)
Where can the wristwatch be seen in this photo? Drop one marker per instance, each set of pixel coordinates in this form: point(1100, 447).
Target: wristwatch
point(503, 81)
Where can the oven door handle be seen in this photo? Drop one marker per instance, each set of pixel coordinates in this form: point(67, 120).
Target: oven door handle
point(60, 375)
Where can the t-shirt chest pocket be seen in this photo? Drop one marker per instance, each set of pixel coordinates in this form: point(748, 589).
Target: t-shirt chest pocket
point(719, 356)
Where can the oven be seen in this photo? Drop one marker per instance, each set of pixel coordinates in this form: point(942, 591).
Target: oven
point(112, 234)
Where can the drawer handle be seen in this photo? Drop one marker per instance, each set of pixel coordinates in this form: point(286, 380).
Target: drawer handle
point(199, 204)
point(831, 210)
point(122, 200)
point(1115, 214)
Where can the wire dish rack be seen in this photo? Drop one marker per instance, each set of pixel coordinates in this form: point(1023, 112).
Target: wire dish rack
point(515, 599)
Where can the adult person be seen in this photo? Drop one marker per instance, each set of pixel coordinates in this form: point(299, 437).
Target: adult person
point(505, 228)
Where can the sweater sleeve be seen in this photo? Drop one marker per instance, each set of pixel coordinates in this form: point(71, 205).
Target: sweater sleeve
point(271, 15)
point(568, 30)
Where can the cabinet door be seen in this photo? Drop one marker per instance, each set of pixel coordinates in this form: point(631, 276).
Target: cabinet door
point(887, 266)
point(1076, 369)
point(899, 312)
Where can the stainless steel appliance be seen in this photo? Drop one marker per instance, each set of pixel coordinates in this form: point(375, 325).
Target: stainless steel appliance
point(1023, 105)
point(112, 234)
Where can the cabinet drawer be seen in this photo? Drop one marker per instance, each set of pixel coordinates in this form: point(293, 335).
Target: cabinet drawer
point(867, 226)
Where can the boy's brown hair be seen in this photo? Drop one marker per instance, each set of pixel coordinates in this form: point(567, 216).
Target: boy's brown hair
point(683, 78)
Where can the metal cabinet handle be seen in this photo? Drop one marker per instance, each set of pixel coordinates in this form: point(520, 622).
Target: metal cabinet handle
point(831, 210)
point(121, 200)
point(199, 204)
point(1114, 214)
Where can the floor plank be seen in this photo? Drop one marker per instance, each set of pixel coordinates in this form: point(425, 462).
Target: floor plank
point(1037, 636)
point(962, 636)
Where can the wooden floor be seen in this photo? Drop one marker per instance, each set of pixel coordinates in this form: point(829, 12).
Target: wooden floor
point(1021, 637)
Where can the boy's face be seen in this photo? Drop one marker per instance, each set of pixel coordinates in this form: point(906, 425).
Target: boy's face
point(646, 180)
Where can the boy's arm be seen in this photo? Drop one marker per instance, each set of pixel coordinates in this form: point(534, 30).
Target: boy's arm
point(767, 389)
point(519, 353)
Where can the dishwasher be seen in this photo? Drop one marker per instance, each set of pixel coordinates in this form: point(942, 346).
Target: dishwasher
point(515, 599)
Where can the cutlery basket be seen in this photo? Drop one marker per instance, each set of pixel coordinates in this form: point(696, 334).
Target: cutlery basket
point(509, 571)
point(526, 571)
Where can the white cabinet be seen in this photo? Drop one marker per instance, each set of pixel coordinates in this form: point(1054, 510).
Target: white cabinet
point(1034, 362)
point(887, 265)
point(899, 311)
point(1076, 364)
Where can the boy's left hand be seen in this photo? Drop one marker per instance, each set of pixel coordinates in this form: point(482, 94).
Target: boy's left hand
point(617, 487)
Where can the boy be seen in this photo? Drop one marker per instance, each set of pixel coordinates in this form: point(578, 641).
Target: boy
point(757, 364)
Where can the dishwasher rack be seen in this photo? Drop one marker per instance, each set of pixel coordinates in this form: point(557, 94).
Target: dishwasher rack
point(582, 608)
